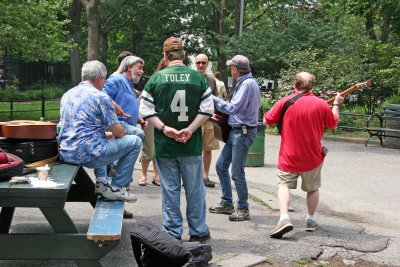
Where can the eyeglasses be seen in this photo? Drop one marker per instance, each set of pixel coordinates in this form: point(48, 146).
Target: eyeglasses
point(201, 62)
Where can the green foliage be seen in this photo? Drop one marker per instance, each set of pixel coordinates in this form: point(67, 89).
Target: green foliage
point(303, 261)
point(395, 99)
point(11, 93)
point(34, 30)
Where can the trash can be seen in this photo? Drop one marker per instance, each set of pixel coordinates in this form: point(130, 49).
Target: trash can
point(255, 158)
point(394, 140)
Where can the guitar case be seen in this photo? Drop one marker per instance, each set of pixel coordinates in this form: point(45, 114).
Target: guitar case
point(30, 150)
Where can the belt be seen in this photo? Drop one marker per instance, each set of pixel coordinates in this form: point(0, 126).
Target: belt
point(240, 127)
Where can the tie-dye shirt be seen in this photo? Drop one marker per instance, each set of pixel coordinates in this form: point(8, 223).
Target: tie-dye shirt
point(86, 113)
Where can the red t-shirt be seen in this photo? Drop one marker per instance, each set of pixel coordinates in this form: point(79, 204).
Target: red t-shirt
point(302, 130)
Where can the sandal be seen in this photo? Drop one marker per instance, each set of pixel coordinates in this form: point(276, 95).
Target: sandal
point(142, 181)
point(156, 181)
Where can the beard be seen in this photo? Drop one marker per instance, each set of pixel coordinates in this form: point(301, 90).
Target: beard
point(135, 78)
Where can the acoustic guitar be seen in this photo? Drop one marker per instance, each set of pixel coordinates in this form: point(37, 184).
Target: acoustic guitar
point(221, 126)
point(358, 86)
point(28, 129)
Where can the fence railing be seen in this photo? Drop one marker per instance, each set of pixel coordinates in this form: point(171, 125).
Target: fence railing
point(47, 109)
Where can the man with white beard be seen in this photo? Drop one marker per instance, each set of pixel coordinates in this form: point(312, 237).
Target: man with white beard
point(120, 87)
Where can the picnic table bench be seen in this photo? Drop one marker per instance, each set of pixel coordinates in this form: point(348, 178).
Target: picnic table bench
point(66, 243)
point(389, 124)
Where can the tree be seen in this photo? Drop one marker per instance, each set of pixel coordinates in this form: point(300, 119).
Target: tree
point(74, 15)
point(34, 30)
point(93, 22)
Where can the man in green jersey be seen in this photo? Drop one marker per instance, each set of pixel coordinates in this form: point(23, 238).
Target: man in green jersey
point(177, 101)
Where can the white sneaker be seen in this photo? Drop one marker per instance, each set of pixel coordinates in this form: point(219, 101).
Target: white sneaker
point(113, 193)
point(100, 188)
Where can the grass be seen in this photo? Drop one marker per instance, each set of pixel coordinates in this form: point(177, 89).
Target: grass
point(303, 261)
point(30, 110)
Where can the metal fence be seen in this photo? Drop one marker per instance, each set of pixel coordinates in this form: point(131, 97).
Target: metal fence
point(32, 110)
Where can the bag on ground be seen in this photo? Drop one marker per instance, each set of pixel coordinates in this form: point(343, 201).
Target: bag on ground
point(201, 253)
point(153, 247)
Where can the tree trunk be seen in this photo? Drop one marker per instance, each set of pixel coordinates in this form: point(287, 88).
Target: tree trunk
point(137, 36)
point(237, 17)
point(385, 26)
point(369, 26)
point(220, 18)
point(74, 59)
point(103, 46)
point(93, 21)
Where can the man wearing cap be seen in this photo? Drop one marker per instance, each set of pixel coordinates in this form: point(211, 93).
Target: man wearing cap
point(177, 101)
point(243, 111)
point(209, 141)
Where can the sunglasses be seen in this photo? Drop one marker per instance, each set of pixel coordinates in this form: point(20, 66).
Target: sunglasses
point(201, 62)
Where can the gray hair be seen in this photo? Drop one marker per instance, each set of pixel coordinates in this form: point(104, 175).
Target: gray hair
point(175, 55)
point(129, 61)
point(92, 70)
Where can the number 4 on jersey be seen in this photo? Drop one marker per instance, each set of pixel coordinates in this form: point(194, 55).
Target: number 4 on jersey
point(178, 104)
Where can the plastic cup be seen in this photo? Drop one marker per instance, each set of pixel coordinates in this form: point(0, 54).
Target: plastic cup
point(43, 173)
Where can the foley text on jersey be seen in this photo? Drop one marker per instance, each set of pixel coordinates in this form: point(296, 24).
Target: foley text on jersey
point(181, 77)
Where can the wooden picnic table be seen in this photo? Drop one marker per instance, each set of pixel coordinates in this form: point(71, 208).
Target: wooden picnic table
point(66, 243)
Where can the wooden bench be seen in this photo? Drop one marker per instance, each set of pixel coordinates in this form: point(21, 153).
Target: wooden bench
point(357, 121)
point(388, 118)
point(107, 220)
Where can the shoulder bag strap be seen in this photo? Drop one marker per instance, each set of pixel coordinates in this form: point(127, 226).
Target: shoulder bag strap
point(287, 104)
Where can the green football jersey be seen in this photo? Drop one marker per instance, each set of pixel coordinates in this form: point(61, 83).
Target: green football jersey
point(176, 95)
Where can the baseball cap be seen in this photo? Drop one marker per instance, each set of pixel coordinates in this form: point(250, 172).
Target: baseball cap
point(240, 62)
point(172, 44)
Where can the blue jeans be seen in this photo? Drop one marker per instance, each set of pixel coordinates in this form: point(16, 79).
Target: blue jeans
point(102, 171)
point(171, 170)
point(235, 151)
point(132, 130)
point(126, 150)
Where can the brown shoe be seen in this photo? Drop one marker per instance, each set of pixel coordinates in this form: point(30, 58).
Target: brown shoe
point(208, 183)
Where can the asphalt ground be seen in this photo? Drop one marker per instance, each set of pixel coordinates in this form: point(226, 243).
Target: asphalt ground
point(358, 215)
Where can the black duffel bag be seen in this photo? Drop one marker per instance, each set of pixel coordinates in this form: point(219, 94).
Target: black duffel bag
point(153, 247)
point(10, 166)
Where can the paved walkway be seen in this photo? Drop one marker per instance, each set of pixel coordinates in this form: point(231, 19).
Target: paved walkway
point(358, 215)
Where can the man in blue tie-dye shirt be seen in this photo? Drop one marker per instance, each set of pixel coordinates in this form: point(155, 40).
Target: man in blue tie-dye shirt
point(86, 114)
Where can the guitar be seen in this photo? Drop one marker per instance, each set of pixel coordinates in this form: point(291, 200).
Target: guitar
point(221, 126)
point(220, 120)
point(27, 129)
point(358, 86)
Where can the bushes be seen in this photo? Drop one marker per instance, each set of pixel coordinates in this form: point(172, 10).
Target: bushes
point(11, 93)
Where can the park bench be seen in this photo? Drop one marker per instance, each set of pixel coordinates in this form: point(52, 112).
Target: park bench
point(107, 221)
point(389, 124)
point(358, 121)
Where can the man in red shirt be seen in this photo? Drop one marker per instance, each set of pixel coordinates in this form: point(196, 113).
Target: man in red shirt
point(301, 153)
